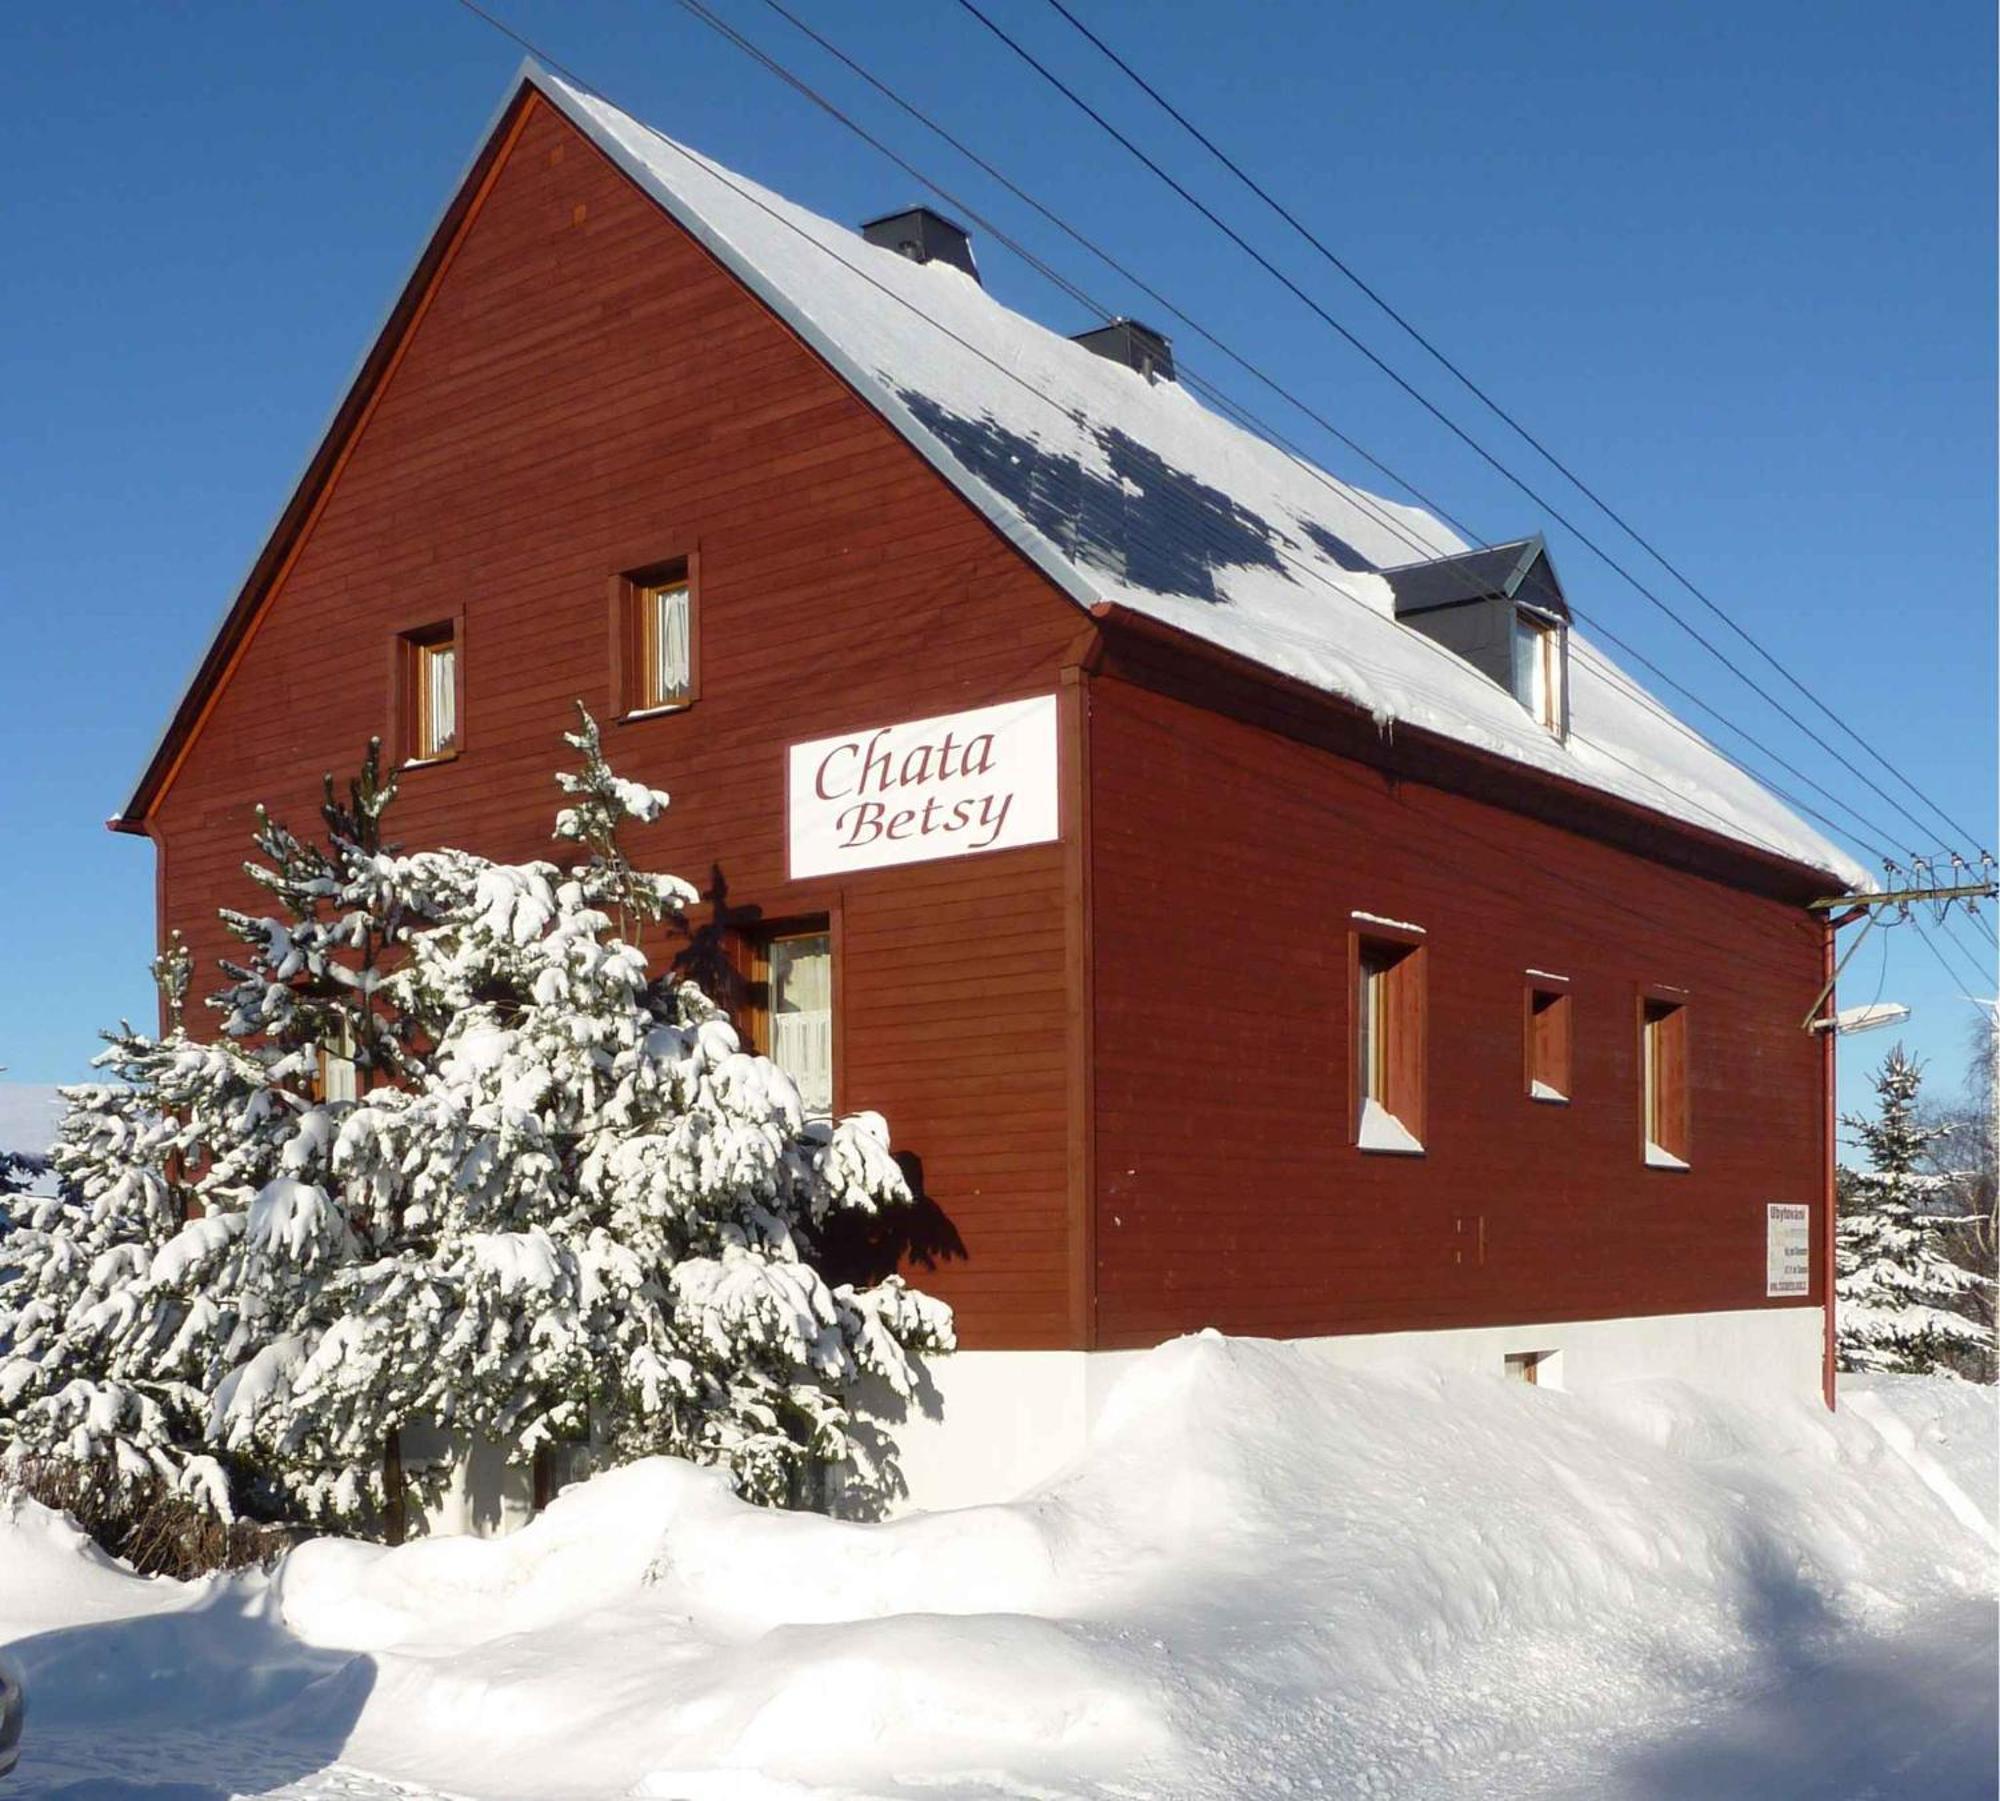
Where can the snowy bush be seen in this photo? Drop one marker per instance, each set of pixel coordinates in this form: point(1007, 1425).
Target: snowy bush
point(1899, 1294)
point(458, 1157)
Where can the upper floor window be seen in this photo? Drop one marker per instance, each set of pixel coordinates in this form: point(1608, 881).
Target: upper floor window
point(1663, 1082)
point(1538, 668)
point(1388, 1011)
point(429, 696)
point(654, 623)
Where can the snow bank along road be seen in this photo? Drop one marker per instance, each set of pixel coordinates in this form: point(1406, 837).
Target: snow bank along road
point(1270, 1577)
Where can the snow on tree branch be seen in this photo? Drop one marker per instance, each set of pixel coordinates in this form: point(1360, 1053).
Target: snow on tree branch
point(557, 1200)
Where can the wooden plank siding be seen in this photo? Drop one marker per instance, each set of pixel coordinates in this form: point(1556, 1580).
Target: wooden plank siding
point(1119, 1063)
point(1227, 858)
point(586, 392)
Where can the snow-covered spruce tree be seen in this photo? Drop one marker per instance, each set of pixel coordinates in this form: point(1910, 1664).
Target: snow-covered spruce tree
point(562, 1199)
point(1897, 1292)
point(77, 1377)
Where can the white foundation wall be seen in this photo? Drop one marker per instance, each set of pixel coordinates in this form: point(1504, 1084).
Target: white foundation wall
point(1006, 1420)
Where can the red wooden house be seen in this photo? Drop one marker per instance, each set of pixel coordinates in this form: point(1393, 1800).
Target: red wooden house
point(1250, 906)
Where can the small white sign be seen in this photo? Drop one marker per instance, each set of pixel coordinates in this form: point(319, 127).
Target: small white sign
point(1787, 1250)
point(952, 786)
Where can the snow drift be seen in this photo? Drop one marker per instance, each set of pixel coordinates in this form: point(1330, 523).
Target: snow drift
point(1268, 1575)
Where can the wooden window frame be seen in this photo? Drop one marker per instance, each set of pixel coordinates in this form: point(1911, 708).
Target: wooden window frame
point(1666, 1111)
point(406, 649)
point(629, 663)
point(750, 951)
point(1405, 1065)
point(1548, 1040)
point(325, 1059)
point(1552, 653)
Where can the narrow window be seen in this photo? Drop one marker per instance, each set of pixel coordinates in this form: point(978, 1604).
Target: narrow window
point(795, 1017)
point(1663, 1083)
point(339, 1079)
point(664, 667)
point(1388, 1045)
point(654, 638)
point(1548, 1039)
point(429, 698)
point(1538, 671)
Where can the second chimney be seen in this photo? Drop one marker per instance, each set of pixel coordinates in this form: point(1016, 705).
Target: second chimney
point(924, 237)
point(1137, 346)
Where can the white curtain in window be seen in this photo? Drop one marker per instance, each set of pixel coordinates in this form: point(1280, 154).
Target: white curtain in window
point(670, 645)
point(441, 678)
point(802, 1017)
point(339, 1079)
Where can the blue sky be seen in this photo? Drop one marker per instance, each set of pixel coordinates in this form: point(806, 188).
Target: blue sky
point(1737, 266)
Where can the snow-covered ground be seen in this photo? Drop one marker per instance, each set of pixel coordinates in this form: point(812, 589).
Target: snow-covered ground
point(1270, 1577)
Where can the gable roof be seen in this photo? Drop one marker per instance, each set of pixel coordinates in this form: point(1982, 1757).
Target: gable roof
point(1520, 571)
point(1128, 493)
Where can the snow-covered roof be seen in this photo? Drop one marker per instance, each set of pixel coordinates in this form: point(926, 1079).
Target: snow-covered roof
point(1132, 492)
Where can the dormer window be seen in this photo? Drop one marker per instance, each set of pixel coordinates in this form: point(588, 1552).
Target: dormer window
point(1538, 668)
point(1502, 610)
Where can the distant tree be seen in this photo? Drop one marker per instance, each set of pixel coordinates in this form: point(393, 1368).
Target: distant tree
point(459, 1158)
point(19, 1171)
point(1968, 1158)
point(1899, 1295)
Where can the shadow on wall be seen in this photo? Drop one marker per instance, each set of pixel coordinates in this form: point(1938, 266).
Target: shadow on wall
point(863, 1248)
point(201, 1704)
point(1148, 523)
point(854, 1247)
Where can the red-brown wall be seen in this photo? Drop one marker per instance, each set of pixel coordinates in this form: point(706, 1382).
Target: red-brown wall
point(1133, 1040)
point(1226, 861)
point(586, 392)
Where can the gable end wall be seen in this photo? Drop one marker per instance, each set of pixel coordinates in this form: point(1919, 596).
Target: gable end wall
point(590, 392)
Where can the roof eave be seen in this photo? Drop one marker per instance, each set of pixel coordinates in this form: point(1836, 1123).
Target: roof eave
point(304, 490)
point(532, 78)
point(1793, 873)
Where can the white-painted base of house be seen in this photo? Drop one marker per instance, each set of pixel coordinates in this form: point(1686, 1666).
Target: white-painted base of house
point(1008, 1420)
point(996, 1423)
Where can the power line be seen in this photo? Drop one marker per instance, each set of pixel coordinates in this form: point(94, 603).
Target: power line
point(1549, 456)
point(1611, 671)
point(1732, 828)
point(1245, 416)
point(1952, 976)
point(1443, 418)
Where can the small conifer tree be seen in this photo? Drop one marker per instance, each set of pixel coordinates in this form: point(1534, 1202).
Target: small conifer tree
point(555, 1198)
point(1897, 1292)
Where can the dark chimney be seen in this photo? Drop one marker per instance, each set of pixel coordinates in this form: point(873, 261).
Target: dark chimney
point(1137, 346)
point(923, 236)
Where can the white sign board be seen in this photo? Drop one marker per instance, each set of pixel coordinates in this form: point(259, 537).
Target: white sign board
point(1787, 1250)
point(952, 786)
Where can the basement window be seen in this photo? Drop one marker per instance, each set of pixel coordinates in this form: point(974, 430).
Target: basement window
point(430, 694)
point(1547, 1044)
point(792, 990)
point(1388, 1009)
point(653, 622)
point(1538, 667)
point(1538, 1369)
point(1663, 1082)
